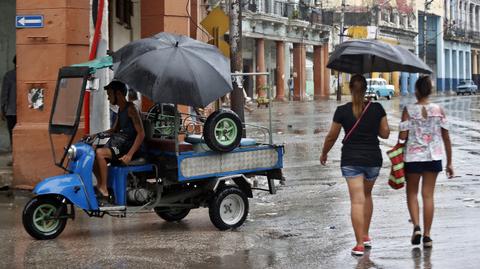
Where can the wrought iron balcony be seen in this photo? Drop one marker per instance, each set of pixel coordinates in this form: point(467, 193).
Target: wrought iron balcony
point(294, 11)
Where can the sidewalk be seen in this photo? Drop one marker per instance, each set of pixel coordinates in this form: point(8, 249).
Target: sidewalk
point(6, 173)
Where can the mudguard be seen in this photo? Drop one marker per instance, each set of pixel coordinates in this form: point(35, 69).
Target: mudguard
point(71, 187)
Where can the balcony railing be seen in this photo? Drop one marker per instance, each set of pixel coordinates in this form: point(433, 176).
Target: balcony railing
point(297, 11)
point(454, 31)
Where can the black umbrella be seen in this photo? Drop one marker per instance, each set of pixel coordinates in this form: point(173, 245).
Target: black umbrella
point(176, 69)
point(366, 56)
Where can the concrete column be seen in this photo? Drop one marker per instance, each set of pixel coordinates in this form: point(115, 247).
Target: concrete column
point(404, 83)
point(467, 16)
point(457, 64)
point(474, 62)
point(478, 62)
point(477, 19)
point(413, 78)
point(468, 65)
point(476, 76)
point(299, 58)
point(396, 81)
point(448, 69)
point(317, 72)
point(38, 62)
point(280, 77)
point(261, 81)
point(440, 56)
point(326, 71)
point(447, 9)
point(458, 17)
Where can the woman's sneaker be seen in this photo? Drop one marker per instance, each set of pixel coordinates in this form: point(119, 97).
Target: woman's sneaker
point(417, 235)
point(358, 251)
point(427, 242)
point(367, 242)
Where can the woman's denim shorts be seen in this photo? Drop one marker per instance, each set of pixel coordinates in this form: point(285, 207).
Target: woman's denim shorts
point(369, 173)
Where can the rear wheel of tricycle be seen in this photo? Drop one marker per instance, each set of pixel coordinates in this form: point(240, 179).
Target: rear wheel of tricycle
point(223, 130)
point(228, 208)
point(172, 214)
point(39, 217)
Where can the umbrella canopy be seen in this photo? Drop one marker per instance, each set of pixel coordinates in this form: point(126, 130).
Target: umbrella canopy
point(176, 69)
point(366, 56)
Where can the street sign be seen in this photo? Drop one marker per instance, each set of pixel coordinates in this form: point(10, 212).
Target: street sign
point(29, 21)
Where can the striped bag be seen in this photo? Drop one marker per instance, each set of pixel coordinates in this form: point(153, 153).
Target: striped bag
point(397, 174)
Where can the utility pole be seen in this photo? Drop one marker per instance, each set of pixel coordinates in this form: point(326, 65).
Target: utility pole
point(342, 21)
point(237, 101)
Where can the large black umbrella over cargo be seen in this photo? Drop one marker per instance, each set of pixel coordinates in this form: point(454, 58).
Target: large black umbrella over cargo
point(169, 68)
point(366, 56)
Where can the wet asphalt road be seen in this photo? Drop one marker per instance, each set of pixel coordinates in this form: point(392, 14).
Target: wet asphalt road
point(306, 225)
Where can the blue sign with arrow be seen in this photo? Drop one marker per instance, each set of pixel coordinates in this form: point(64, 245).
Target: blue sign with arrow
point(29, 21)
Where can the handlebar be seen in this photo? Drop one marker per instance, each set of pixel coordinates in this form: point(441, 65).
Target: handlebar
point(90, 139)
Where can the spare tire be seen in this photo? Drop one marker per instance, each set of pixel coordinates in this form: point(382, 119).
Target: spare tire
point(222, 130)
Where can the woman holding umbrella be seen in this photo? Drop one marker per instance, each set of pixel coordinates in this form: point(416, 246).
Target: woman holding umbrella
point(363, 123)
point(361, 157)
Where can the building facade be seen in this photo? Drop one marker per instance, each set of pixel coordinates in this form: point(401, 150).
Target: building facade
point(65, 39)
point(393, 22)
point(287, 39)
point(462, 41)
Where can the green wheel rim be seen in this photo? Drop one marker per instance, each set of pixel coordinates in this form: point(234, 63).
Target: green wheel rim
point(226, 131)
point(39, 218)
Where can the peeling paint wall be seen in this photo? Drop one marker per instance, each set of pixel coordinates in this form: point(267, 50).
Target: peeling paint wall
point(403, 6)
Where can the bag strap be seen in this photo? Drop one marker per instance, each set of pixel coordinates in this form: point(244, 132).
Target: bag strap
point(356, 123)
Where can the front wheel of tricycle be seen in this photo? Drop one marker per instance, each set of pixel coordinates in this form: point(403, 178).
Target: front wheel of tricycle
point(172, 214)
point(228, 208)
point(40, 217)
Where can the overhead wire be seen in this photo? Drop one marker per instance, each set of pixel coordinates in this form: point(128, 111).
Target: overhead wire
point(195, 23)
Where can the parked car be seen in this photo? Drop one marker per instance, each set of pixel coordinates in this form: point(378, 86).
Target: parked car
point(378, 87)
point(467, 86)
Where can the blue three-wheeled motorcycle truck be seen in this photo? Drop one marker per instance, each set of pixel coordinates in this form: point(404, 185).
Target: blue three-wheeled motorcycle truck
point(213, 167)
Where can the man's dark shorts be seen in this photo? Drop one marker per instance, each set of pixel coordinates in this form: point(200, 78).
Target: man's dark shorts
point(119, 145)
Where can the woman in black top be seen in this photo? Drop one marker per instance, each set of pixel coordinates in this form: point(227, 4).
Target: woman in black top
point(361, 156)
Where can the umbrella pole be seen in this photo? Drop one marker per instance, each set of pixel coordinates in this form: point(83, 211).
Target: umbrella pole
point(176, 131)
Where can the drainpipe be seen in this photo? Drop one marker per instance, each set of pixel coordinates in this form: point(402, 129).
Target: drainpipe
point(92, 55)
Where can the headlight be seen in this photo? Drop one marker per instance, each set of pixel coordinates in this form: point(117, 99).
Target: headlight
point(72, 152)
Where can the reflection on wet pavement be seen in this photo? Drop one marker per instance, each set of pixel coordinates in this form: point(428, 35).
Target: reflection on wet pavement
point(306, 225)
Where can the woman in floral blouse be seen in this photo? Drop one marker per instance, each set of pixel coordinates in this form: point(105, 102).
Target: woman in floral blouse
point(425, 129)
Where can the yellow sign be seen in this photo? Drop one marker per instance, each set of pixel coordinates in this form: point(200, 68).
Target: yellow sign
point(216, 18)
point(222, 46)
point(217, 24)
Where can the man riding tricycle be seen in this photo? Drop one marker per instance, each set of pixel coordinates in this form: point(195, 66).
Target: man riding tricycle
point(213, 167)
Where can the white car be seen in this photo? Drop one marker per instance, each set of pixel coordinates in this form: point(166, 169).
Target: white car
point(378, 87)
